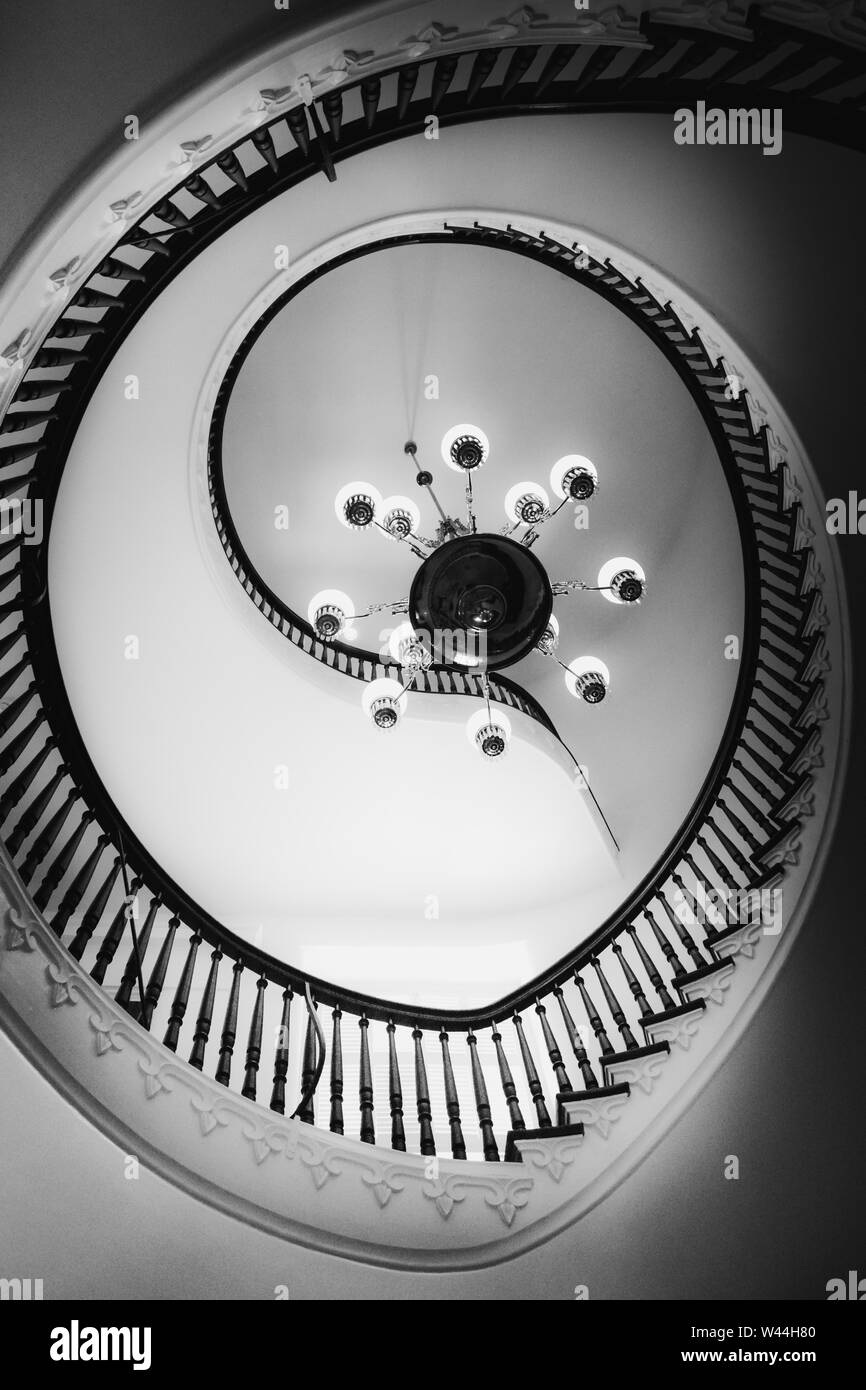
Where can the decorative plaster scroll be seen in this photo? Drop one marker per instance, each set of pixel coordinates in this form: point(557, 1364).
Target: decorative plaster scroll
point(641, 1072)
point(711, 987)
point(716, 16)
point(678, 1031)
point(843, 19)
point(595, 1112)
point(550, 1156)
point(741, 941)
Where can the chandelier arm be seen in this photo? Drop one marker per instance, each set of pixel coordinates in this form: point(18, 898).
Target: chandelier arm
point(470, 504)
point(566, 586)
point(400, 605)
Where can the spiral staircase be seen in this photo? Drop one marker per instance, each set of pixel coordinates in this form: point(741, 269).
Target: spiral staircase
point(239, 1076)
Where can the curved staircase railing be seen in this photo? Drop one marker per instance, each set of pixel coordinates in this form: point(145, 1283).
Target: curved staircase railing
point(623, 996)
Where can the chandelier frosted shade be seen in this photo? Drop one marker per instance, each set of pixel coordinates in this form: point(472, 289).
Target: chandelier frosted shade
point(465, 448)
point(549, 639)
point(588, 679)
point(400, 517)
point(527, 503)
point(329, 613)
point(622, 580)
point(574, 476)
point(384, 701)
point(490, 732)
point(358, 505)
point(408, 650)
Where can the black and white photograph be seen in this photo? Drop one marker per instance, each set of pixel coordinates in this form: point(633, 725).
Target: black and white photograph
point(432, 552)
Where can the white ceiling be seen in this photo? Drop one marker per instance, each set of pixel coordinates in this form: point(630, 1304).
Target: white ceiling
point(345, 871)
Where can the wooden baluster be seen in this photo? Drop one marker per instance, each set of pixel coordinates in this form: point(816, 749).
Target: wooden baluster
point(558, 59)
point(365, 1085)
point(17, 706)
point(181, 994)
point(616, 1011)
point(12, 752)
point(307, 1112)
point(485, 62)
point(422, 1093)
point(337, 1074)
point(91, 299)
point(157, 978)
point(264, 143)
point(562, 1081)
point(332, 105)
point(114, 936)
point(677, 923)
point(743, 830)
point(16, 453)
point(508, 1087)
point(632, 981)
point(599, 59)
point(406, 82)
point(676, 966)
point(201, 189)
point(254, 1043)
point(281, 1058)
point(112, 269)
point(398, 1133)
point(595, 1021)
point(371, 92)
point(205, 1014)
point(8, 580)
point(8, 679)
point(93, 916)
point(482, 1102)
point(535, 1088)
point(443, 76)
point(166, 211)
point(45, 841)
point(78, 887)
point(646, 59)
point(230, 1027)
point(11, 640)
point(577, 1047)
point(519, 64)
point(58, 868)
point(24, 781)
point(452, 1103)
point(649, 966)
point(30, 818)
point(299, 126)
point(233, 169)
point(41, 390)
point(129, 979)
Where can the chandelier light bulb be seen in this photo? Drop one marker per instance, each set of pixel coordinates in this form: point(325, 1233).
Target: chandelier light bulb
point(527, 503)
point(384, 701)
point(622, 580)
point(489, 731)
point(358, 505)
point(549, 639)
point(408, 649)
point(465, 448)
point(575, 477)
point(329, 613)
point(400, 517)
point(588, 679)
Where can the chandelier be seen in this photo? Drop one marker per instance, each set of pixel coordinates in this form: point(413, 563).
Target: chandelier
point(479, 599)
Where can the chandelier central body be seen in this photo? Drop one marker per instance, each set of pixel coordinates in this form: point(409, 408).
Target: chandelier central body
point(484, 584)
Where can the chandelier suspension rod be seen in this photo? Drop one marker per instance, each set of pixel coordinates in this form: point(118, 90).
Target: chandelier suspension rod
point(412, 450)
